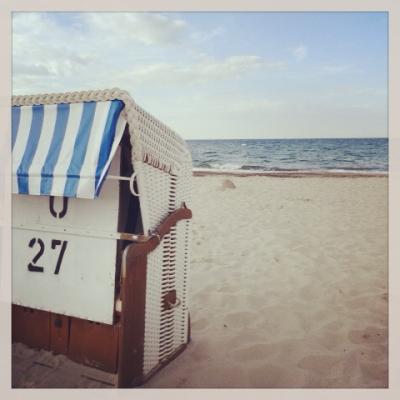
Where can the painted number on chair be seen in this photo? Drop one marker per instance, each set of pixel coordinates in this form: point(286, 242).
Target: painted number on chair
point(38, 244)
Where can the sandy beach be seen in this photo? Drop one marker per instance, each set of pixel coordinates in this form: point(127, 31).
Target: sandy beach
point(288, 289)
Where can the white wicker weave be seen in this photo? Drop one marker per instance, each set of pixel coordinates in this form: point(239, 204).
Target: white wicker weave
point(165, 331)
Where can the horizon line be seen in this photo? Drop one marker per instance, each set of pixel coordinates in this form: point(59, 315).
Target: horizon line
point(295, 138)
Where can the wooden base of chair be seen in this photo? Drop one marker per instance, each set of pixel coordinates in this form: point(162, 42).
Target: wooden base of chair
point(84, 342)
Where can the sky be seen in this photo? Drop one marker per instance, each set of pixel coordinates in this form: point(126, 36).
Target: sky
point(219, 75)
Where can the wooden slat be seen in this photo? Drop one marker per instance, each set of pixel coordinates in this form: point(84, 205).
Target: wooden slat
point(31, 327)
point(131, 345)
point(94, 344)
point(59, 333)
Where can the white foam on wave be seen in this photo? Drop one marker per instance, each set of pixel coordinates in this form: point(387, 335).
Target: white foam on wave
point(290, 172)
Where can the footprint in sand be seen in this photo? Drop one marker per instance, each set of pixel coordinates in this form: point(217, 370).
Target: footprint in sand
point(255, 301)
point(267, 376)
point(200, 324)
point(329, 340)
point(228, 301)
point(200, 352)
point(334, 325)
point(368, 335)
point(319, 363)
point(227, 289)
point(375, 371)
point(240, 318)
point(360, 302)
point(308, 292)
point(202, 296)
point(376, 352)
point(255, 352)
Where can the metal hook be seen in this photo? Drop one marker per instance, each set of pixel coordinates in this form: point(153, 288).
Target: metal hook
point(154, 234)
point(131, 182)
point(174, 305)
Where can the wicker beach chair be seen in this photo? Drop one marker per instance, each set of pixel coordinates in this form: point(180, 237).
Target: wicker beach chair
point(101, 232)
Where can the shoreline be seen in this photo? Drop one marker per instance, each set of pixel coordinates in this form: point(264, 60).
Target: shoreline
point(197, 172)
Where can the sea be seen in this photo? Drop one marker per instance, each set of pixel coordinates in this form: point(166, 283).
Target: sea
point(291, 155)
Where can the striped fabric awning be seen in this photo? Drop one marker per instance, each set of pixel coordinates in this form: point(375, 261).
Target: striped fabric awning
point(64, 149)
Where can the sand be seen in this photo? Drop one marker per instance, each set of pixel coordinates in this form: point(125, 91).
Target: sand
point(288, 288)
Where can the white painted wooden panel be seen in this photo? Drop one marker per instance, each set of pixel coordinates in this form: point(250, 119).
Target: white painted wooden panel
point(85, 284)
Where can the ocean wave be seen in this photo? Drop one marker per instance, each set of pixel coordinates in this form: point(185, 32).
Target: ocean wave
point(292, 155)
point(203, 165)
point(259, 168)
point(253, 167)
point(356, 169)
point(288, 172)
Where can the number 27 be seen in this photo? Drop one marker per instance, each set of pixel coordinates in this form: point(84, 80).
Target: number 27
point(54, 243)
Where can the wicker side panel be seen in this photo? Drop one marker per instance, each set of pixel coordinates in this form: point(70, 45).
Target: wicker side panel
point(181, 283)
point(174, 322)
point(183, 229)
point(153, 310)
point(165, 329)
point(155, 202)
point(168, 284)
point(167, 345)
point(154, 187)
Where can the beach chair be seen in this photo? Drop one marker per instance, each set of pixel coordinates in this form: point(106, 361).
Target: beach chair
point(101, 232)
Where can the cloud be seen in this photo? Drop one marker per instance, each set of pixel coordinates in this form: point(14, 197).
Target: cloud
point(146, 28)
point(206, 70)
point(43, 51)
point(86, 49)
point(355, 91)
point(81, 51)
point(205, 36)
point(34, 70)
point(26, 23)
point(250, 105)
point(336, 69)
point(300, 52)
point(66, 47)
point(362, 106)
point(234, 66)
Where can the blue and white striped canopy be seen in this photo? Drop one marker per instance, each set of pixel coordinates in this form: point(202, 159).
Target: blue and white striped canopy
point(64, 149)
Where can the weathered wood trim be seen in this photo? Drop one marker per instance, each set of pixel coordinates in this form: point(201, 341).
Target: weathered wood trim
point(145, 247)
point(131, 343)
